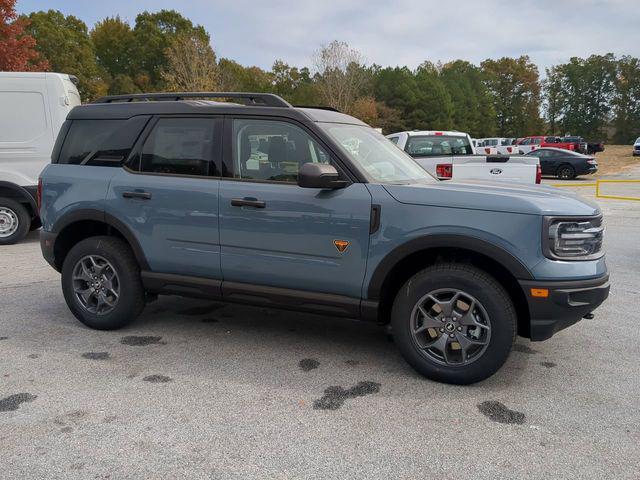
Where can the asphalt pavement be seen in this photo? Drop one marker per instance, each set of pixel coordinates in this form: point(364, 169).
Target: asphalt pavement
point(199, 389)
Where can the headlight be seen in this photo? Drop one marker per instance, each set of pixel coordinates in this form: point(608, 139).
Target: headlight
point(573, 238)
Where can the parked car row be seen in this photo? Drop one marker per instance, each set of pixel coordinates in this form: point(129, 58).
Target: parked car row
point(508, 146)
point(450, 155)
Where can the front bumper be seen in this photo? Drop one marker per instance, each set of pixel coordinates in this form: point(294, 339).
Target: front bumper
point(565, 304)
point(47, 242)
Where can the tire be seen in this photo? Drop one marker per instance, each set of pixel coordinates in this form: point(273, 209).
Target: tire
point(130, 300)
point(492, 305)
point(566, 172)
point(14, 221)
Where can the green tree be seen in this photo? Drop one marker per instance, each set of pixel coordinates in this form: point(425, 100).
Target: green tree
point(234, 77)
point(114, 41)
point(295, 85)
point(435, 107)
point(153, 34)
point(626, 101)
point(515, 87)
point(473, 109)
point(553, 99)
point(421, 98)
point(64, 41)
point(397, 89)
point(587, 87)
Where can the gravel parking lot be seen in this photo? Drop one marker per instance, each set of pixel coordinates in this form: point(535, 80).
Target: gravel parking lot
point(197, 389)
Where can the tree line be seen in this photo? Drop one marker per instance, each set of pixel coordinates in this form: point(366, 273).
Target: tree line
point(596, 97)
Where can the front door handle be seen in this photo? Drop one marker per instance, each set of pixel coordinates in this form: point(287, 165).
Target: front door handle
point(141, 195)
point(247, 202)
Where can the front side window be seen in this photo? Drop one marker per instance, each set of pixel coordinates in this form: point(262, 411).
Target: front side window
point(379, 159)
point(436, 145)
point(181, 146)
point(272, 150)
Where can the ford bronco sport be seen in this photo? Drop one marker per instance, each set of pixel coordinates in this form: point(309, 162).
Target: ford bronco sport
point(309, 209)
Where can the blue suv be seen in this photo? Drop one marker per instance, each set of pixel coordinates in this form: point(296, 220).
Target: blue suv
point(255, 201)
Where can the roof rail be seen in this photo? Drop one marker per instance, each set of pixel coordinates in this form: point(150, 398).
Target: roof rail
point(318, 107)
point(255, 99)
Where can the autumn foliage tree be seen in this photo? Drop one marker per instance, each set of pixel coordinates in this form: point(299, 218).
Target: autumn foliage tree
point(191, 65)
point(17, 49)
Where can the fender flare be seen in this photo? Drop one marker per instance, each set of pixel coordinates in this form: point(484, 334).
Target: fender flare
point(426, 242)
point(22, 192)
point(100, 216)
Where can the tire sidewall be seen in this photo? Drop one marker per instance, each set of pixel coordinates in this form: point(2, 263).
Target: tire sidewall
point(489, 294)
point(571, 171)
point(24, 221)
point(130, 286)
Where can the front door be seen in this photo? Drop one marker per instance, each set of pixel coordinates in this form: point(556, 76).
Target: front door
point(274, 233)
point(168, 197)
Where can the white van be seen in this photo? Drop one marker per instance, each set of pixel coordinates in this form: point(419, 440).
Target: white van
point(33, 107)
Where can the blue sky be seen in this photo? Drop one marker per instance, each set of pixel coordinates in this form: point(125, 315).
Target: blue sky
point(400, 32)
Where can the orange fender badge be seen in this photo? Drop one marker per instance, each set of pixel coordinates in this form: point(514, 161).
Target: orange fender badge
point(341, 245)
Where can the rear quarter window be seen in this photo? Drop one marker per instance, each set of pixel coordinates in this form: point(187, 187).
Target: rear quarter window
point(100, 142)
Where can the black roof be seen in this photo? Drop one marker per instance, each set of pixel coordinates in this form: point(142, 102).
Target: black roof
point(127, 106)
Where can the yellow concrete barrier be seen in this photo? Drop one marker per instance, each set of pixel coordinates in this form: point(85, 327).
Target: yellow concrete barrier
point(615, 197)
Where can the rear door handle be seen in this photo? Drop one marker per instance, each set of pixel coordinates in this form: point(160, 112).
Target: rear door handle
point(140, 195)
point(247, 202)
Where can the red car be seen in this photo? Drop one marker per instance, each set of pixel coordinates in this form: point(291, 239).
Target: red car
point(528, 144)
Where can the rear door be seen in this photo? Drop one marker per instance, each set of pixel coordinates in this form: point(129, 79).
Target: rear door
point(274, 233)
point(167, 195)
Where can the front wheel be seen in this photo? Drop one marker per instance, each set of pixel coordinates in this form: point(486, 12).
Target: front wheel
point(454, 323)
point(101, 283)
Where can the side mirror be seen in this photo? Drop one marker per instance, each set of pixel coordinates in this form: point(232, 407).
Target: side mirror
point(319, 175)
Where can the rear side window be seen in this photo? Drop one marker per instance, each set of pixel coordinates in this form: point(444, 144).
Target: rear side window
point(182, 146)
point(85, 137)
point(100, 142)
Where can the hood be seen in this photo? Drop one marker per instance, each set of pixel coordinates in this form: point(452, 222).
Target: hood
point(497, 197)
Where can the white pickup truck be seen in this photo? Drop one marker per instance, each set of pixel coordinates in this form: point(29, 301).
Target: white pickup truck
point(496, 146)
point(450, 155)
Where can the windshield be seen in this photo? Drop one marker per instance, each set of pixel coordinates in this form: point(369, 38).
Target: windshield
point(382, 161)
point(438, 145)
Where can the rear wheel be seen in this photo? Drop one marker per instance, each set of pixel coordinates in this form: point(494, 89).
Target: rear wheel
point(566, 172)
point(454, 323)
point(101, 283)
point(14, 221)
